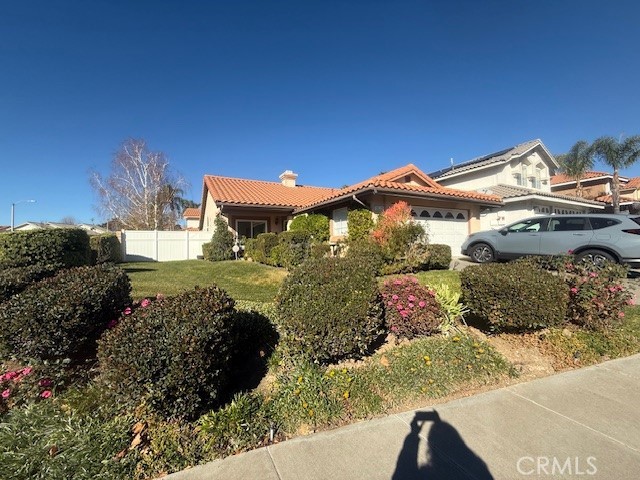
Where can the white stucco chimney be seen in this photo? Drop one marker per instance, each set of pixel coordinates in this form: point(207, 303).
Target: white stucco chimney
point(288, 178)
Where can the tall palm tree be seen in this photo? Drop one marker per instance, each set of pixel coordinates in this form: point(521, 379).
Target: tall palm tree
point(577, 163)
point(617, 154)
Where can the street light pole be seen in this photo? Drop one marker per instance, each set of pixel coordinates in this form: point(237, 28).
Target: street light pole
point(13, 208)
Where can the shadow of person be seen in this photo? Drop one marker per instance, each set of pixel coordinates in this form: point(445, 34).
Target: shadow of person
point(448, 457)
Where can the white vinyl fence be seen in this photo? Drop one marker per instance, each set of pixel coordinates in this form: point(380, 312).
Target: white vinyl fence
point(161, 246)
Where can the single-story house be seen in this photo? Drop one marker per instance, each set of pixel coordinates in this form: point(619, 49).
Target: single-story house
point(252, 206)
point(521, 177)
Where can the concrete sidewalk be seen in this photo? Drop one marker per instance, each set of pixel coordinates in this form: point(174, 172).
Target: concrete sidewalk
point(579, 424)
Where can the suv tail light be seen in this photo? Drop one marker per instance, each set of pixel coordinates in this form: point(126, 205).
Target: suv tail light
point(634, 231)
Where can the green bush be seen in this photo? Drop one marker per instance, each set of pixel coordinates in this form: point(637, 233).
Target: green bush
point(410, 309)
point(439, 256)
point(66, 247)
point(175, 354)
point(320, 250)
point(512, 298)
point(330, 308)
point(221, 244)
point(62, 316)
point(264, 244)
point(316, 225)
point(105, 249)
point(14, 280)
point(367, 251)
point(360, 224)
point(293, 248)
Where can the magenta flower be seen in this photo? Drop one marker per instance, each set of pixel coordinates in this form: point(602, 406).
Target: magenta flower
point(127, 311)
point(27, 370)
point(45, 382)
point(46, 394)
point(631, 301)
point(397, 282)
point(411, 298)
point(403, 313)
point(574, 290)
point(394, 328)
point(411, 305)
point(145, 303)
point(6, 393)
point(394, 298)
point(400, 307)
point(112, 323)
point(422, 304)
point(593, 274)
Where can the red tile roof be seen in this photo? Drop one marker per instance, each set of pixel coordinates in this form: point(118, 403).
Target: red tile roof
point(563, 178)
point(633, 183)
point(191, 213)
point(257, 192)
point(609, 199)
point(381, 181)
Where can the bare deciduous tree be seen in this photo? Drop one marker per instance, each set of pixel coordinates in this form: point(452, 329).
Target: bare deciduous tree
point(140, 191)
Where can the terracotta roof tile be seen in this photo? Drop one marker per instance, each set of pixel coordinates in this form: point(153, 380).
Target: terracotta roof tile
point(609, 199)
point(257, 192)
point(563, 178)
point(191, 213)
point(633, 183)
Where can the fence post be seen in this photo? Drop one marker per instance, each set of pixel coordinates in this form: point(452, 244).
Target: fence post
point(157, 254)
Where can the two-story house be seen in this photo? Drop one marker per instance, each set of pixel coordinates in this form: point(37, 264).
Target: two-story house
point(521, 177)
point(597, 186)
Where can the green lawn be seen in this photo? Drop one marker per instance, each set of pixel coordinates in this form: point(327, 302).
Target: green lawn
point(241, 280)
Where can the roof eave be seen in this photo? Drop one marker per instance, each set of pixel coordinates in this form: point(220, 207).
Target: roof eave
point(553, 198)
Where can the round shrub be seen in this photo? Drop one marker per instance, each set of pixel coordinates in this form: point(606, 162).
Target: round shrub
point(360, 224)
point(510, 297)
point(315, 224)
point(62, 316)
point(367, 251)
point(330, 308)
point(410, 309)
point(174, 353)
point(14, 280)
point(439, 256)
point(105, 249)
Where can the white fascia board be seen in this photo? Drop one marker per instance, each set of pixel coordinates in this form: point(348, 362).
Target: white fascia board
point(558, 201)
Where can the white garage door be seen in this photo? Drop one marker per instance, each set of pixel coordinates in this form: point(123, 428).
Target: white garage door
point(444, 225)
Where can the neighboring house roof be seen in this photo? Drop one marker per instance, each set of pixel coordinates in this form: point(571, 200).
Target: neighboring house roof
point(191, 213)
point(509, 192)
point(562, 179)
point(609, 200)
point(633, 183)
point(493, 158)
point(240, 191)
point(382, 184)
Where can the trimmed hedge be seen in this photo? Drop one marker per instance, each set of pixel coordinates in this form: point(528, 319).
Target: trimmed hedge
point(67, 247)
point(510, 297)
point(15, 280)
point(105, 249)
point(315, 224)
point(360, 224)
point(330, 309)
point(366, 250)
point(62, 316)
point(439, 256)
point(174, 354)
point(264, 244)
point(293, 248)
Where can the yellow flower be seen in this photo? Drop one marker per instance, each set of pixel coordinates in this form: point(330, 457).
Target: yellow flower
point(431, 380)
point(305, 405)
point(426, 358)
point(456, 339)
point(481, 350)
point(332, 373)
point(311, 413)
point(296, 391)
point(344, 370)
point(345, 395)
point(299, 379)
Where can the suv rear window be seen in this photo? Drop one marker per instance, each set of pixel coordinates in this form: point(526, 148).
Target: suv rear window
point(636, 219)
point(602, 222)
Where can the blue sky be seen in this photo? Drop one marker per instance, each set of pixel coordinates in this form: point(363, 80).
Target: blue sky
point(335, 90)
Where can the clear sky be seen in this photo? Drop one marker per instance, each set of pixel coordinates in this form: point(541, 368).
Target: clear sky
point(335, 90)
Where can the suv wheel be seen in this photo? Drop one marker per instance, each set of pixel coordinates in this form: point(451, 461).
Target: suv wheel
point(482, 253)
point(595, 257)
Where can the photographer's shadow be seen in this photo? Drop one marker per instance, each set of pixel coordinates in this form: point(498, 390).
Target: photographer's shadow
point(448, 457)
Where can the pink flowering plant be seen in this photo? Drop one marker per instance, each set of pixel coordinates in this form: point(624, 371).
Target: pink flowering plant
point(411, 309)
point(31, 383)
point(596, 301)
point(130, 309)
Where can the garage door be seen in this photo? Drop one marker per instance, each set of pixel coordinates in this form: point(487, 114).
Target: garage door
point(446, 226)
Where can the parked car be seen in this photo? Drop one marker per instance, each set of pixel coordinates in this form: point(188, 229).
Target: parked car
point(591, 237)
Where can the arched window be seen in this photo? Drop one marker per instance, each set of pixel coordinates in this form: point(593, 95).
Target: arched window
point(460, 216)
point(449, 215)
point(437, 214)
point(425, 214)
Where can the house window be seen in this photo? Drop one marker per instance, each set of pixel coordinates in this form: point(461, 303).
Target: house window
point(250, 228)
point(340, 227)
point(519, 179)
